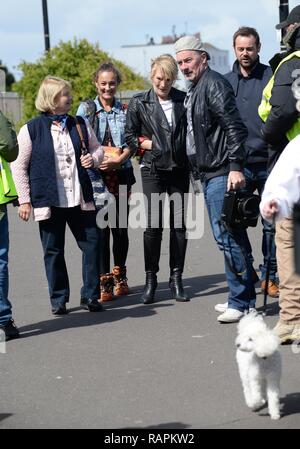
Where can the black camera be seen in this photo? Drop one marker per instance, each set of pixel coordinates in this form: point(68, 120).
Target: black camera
point(240, 209)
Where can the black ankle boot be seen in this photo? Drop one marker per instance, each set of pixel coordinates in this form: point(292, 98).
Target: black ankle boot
point(175, 284)
point(150, 287)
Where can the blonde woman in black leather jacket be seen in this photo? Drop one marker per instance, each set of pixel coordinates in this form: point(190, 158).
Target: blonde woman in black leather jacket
point(156, 122)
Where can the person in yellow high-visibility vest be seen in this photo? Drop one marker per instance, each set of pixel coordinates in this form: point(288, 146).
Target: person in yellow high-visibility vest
point(8, 153)
point(281, 191)
point(278, 106)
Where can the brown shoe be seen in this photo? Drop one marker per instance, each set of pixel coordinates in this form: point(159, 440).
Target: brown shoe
point(106, 287)
point(287, 332)
point(273, 289)
point(120, 280)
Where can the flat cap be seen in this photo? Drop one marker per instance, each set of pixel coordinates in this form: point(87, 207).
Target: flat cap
point(189, 43)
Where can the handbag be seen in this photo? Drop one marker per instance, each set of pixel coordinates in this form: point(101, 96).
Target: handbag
point(102, 196)
point(110, 151)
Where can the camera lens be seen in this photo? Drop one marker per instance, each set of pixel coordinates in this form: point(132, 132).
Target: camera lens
point(249, 207)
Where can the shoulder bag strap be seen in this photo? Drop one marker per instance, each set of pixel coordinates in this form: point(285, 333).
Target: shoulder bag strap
point(84, 149)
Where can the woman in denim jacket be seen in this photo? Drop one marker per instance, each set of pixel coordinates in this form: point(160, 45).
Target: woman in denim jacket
point(107, 117)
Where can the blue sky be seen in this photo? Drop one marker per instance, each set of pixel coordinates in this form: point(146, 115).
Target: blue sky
point(113, 23)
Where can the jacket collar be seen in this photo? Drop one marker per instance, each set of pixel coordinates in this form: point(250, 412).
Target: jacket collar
point(256, 72)
point(151, 97)
point(178, 108)
point(202, 77)
point(156, 108)
point(117, 106)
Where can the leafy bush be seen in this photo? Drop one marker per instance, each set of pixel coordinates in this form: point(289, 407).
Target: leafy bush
point(75, 61)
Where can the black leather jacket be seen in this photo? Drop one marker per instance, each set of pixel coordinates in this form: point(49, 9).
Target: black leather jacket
point(145, 117)
point(218, 128)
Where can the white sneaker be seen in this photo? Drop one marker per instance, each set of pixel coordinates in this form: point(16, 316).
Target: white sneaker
point(223, 306)
point(230, 316)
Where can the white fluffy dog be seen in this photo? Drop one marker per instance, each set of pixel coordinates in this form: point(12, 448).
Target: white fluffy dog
point(259, 363)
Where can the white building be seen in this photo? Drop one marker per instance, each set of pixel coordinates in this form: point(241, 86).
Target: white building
point(138, 57)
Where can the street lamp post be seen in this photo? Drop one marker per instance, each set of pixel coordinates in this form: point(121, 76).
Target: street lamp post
point(283, 13)
point(46, 25)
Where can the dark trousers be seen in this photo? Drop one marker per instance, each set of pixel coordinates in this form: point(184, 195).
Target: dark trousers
point(175, 183)
point(5, 305)
point(120, 240)
point(256, 176)
point(52, 233)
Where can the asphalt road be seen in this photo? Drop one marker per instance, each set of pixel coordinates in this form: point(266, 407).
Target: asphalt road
point(165, 365)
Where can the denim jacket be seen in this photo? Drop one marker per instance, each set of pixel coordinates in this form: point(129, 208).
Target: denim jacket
point(116, 120)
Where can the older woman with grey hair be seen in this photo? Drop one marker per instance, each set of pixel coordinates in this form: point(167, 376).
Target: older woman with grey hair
point(51, 179)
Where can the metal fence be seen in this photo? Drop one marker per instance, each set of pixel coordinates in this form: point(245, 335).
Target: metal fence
point(11, 105)
point(126, 95)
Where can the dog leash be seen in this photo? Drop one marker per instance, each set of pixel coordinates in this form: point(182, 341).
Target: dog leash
point(270, 243)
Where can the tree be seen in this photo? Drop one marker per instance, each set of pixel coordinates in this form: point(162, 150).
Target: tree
point(9, 77)
point(75, 61)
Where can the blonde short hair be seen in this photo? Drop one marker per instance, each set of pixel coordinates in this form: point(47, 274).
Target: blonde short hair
point(50, 88)
point(167, 64)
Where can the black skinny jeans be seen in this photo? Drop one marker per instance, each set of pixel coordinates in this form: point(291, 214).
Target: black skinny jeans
point(175, 183)
point(120, 243)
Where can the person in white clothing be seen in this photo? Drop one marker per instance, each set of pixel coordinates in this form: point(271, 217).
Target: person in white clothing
point(282, 191)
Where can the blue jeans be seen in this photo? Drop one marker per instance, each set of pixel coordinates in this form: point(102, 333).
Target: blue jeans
point(256, 176)
point(238, 266)
point(5, 305)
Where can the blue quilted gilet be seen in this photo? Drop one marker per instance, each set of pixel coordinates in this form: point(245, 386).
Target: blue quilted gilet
point(42, 176)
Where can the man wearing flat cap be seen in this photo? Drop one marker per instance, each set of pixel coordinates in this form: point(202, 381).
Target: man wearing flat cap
point(215, 148)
